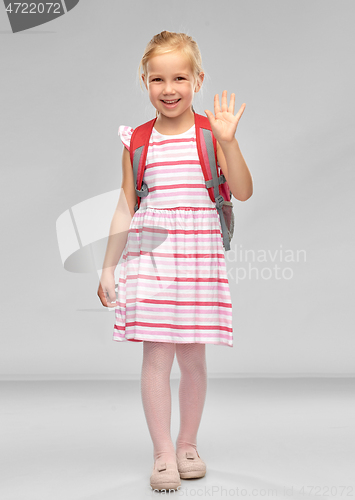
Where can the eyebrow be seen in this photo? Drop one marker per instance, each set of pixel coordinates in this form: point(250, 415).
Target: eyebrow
point(176, 74)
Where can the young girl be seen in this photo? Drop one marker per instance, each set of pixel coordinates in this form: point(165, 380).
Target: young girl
point(174, 298)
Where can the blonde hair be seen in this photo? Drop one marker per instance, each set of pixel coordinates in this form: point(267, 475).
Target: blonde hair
point(167, 42)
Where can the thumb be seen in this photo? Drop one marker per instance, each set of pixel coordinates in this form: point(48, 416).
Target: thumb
point(210, 116)
point(110, 295)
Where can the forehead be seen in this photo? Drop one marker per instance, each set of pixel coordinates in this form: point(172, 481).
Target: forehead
point(169, 63)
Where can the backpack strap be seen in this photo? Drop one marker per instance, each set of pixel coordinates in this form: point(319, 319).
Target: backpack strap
point(207, 152)
point(138, 154)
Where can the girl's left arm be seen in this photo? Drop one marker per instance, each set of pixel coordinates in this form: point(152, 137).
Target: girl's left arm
point(229, 156)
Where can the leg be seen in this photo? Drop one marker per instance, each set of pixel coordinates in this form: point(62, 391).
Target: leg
point(158, 358)
point(192, 394)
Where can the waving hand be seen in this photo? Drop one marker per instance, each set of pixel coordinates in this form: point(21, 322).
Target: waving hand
point(224, 124)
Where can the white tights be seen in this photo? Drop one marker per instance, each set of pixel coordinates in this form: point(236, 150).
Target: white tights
point(158, 358)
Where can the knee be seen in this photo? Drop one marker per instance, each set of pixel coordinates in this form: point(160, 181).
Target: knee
point(192, 358)
point(159, 356)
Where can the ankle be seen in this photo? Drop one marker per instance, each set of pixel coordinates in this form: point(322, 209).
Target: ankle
point(168, 457)
point(182, 448)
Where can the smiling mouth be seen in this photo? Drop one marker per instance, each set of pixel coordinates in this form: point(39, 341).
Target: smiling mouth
point(171, 102)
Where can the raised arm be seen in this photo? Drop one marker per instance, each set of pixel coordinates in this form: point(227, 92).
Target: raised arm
point(230, 158)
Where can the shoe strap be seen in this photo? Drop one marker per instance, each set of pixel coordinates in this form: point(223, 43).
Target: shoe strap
point(161, 467)
point(191, 455)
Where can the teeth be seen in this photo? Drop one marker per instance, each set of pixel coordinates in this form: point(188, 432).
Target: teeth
point(171, 102)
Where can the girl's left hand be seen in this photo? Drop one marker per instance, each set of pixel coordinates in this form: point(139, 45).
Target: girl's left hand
point(224, 125)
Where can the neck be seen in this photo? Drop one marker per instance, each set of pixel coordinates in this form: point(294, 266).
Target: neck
point(176, 125)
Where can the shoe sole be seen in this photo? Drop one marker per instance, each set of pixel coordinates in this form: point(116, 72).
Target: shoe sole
point(165, 486)
point(192, 474)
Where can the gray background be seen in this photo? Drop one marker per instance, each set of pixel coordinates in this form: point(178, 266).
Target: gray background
point(66, 87)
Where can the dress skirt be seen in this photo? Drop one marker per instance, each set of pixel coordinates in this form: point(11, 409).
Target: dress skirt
point(173, 284)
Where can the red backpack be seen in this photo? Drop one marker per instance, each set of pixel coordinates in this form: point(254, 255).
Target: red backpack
point(216, 185)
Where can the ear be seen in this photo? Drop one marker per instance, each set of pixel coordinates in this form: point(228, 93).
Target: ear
point(144, 81)
point(199, 82)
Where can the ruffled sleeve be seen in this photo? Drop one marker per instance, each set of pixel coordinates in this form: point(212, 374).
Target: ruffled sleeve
point(125, 133)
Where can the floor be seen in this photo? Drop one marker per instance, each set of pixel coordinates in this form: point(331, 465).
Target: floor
point(260, 438)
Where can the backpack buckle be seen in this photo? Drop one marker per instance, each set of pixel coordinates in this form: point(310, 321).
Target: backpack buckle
point(143, 191)
point(219, 201)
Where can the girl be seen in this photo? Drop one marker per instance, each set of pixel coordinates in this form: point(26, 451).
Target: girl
point(186, 302)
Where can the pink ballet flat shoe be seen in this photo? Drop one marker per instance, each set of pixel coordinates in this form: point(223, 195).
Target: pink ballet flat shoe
point(191, 466)
point(165, 477)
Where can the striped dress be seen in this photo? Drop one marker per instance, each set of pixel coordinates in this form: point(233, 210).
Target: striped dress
point(173, 284)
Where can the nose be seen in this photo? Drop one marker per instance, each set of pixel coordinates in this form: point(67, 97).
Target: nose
point(168, 88)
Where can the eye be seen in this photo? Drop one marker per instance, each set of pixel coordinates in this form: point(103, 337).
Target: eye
point(154, 79)
point(182, 78)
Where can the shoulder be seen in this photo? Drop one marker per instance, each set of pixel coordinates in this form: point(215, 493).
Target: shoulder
point(140, 134)
point(125, 133)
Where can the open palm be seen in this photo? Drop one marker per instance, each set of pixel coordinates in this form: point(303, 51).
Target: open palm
point(224, 124)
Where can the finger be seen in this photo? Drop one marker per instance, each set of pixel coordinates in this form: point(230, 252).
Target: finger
point(106, 296)
point(241, 111)
point(102, 298)
point(210, 116)
point(224, 101)
point(231, 104)
point(217, 108)
point(101, 294)
point(111, 297)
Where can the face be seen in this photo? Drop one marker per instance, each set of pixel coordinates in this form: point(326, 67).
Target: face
point(170, 78)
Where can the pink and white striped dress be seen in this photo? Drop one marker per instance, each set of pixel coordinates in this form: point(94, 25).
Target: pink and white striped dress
point(173, 284)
